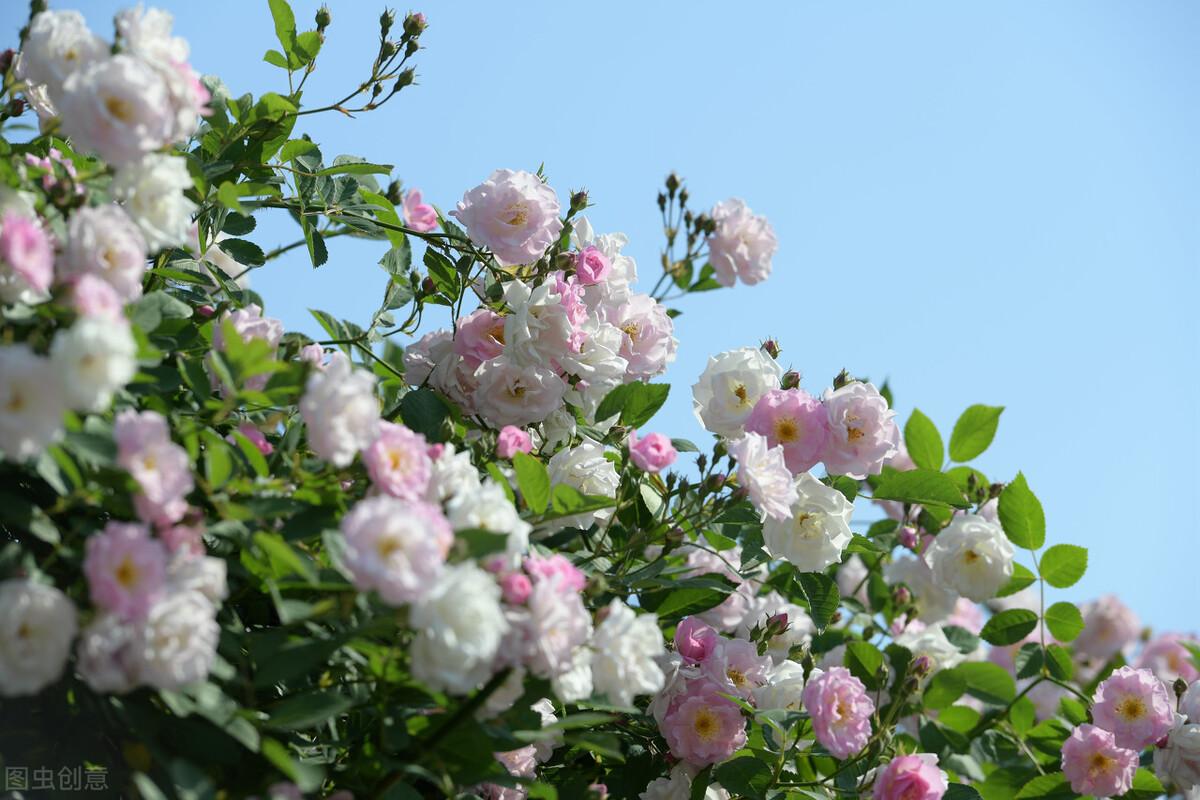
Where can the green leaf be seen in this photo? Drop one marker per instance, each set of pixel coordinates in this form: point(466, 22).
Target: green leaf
point(424, 412)
point(229, 197)
point(308, 710)
point(252, 454)
point(1063, 565)
point(1021, 515)
point(1054, 786)
point(687, 601)
point(822, 595)
point(356, 168)
point(1058, 661)
point(989, 682)
point(974, 431)
point(1009, 626)
point(685, 446)
point(397, 261)
point(920, 487)
point(864, 660)
point(1021, 578)
point(1064, 621)
point(218, 464)
point(295, 147)
point(1072, 710)
point(1145, 786)
point(243, 252)
point(944, 688)
point(635, 402)
point(746, 776)
point(481, 542)
point(534, 481)
point(1028, 660)
point(960, 791)
point(150, 311)
point(567, 501)
point(700, 783)
point(307, 777)
point(276, 59)
point(285, 24)
point(923, 441)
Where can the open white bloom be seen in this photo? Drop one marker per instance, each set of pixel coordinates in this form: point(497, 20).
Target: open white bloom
point(730, 386)
point(103, 241)
point(931, 641)
point(341, 410)
point(624, 649)
point(103, 655)
point(972, 556)
point(784, 688)
point(37, 624)
point(574, 683)
point(537, 332)
point(1178, 763)
point(743, 244)
point(119, 108)
point(177, 643)
point(585, 468)
point(459, 625)
point(1189, 704)
point(59, 45)
point(451, 474)
point(678, 786)
point(487, 506)
point(599, 360)
point(614, 289)
point(513, 214)
point(510, 394)
point(762, 472)
point(935, 601)
point(554, 625)
point(31, 402)
point(395, 547)
point(94, 358)
point(152, 193)
point(818, 530)
point(191, 572)
point(147, 32)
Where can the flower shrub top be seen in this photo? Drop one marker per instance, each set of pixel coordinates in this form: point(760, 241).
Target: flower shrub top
point(448, 554)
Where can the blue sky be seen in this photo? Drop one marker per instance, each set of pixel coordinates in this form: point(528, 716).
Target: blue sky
point(983, 202)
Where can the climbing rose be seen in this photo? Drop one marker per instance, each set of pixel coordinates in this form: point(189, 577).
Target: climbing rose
point(972, 556)
point(911, 777)
point(340, 410)
point(396, 547)
point(704, 726)
point(731, 386)
point(862, 431)
point(513, 214)
point(1134, 706)
point(743, 244)
point(652, 453)
point(764, 475)
point(794, 420)
point(1095, 764)
point(125, 569)
point(840, 710)
point(398, 462)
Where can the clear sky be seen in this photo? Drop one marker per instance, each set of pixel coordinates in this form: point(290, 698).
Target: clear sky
point(988, 202)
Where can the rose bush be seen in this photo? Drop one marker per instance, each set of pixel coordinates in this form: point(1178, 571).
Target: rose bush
point(412, 560)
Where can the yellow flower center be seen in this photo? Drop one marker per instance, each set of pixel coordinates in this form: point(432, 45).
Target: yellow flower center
point(518, 215)
point(126, 573)
point(16, 402)
point(786, 430)
point(1131, 708)
point(119, 108)
point(386, 546)
point(970, 557)
point(706, 724)
point(741, 394)
point(1099, 764)
point(854, 434)
point(633, 330)
point(737, 677)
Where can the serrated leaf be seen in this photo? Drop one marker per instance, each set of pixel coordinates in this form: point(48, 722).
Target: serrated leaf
point(635, 402)
point(920, 487)
point(822, 595)
point(533, 480)
point(1021, 515)
point(1063, 565)
point(1064, 621)
point(923, 441)
point(864, 660)
point(1054, 786)
point(1009, 626)
point(974, 431)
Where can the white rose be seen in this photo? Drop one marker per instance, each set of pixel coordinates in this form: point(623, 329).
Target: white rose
point(537, 331)
point(340, 410)
point(784, 688)
point(818, 531)
point(152, 193)
point(37, 624)
point(104, 241)
point(624, 649)
point(177, 643)
point(512, 213)
point(147, 32)
point(103, 655)
point(1189, 704)
point(59, 45)
point(459, 625)
point(1178, 764)
point(31, 402)
point(487, 506)
point(509, 394)
point(555, 626)
point(119, 108)
point(934, 600)
point(94, 358)
point(679, 786)
point(451, 474)
point(742, 245)
point(730, 386)
point(931, 641)
point(190, 572)
point(574, 683)
point(585, 468)
point(972, 556)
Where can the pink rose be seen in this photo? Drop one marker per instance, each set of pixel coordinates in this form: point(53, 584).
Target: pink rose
point(1095, 765)
point(694, 639)
point(1109, 626)
point(255, 436)
point(248, 323)
point(556, 568)
point(313, 354)
point(1167, 658)
point(652, 453)
point(512, 440)
point(736, 666)
point(862, 431)
point(417, 215)
point(513, 214)
point(1134, 706)
point(794, 420)
point(161, 468)
point(516, 588)
point(591, 265)
point(840, 710)
point(479, 336)
point(914, 777)
point(703, 727)
point(395, 547)
point(92, 296)
point(398, 462)
point(26, 259)
point(126, 569)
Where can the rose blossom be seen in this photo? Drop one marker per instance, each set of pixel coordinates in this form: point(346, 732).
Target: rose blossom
point(648, 340)
point(1095, 764)
point(911, 777)
point(32, 398)
point(119, 108)
point(37, 624)
point(556, 569)
point(840, 710)
point(694, 640)
point(26, 259)
point(625, 647)
point(460, 626)
point(177, 643)
point(764, 475)
point(161, 468)
point(152, 193)
point(486, 506)
point(509, 394)
point(125, 569)
point(255, 437)
point(585, 468)
point(512, 440)
point(862, 431)
point(397, 462)
point(652, 453)
point(704, 727)
point(1134, 706)
point(94, 297)
point(1177, 762)
point(972, 556)
point(104, 241)
point(794, 420)
point(94, 358)
point(58, 45)
point(935, 601)
point(552, 625)
point(1167, 658)
point(516, 588)
point(340, 410)
point(395, 547)
point(1109, 626)
point(817, 529)
point(731, 386)
point(418, 215)
point(591, 265)
point(1189, 704)
point(479, 336)
point(248, 323)
point(742, 245)
point(735, 666)
point(513, 214)
point(784, 688)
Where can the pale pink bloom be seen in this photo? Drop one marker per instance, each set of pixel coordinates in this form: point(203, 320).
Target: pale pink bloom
point(26, 259)
point(652, 453)
point(794, 420)
point(249, 323)
point(395, 547)
point(256, 437)
point(840, 710)
point(554, 624)
point(1134, 706)
point(704, 727)
point(340, 410)
point(911, 777)
point(512, 440)
point(1109, 626)
point(521, 763)
point(1189, 704)
point(423, 355)
point(591, 265)
point(105, 242)
point(480, 336)
point(509, 394)
point(736, 667)
point(1095, 764)
point(398, 462)
point(313, 354)
point(694, 639)
point(513, 214)
point(516, 588)
point(161, 468)
point(649, 342)
point(558, 569)
point(183, 539)
point(119, 108)
point(125, 569)
point(92, 296)
point(417, 215)
point(1167, 658)
point(862, 431)
point(742, 245)
point(763, 473)
point(1177, 760)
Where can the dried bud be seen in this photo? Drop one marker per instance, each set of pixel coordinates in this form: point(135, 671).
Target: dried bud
point(414, 24)
point(1180, 686)
point(16, 107)
point(662, 202)
point(995, 489)
point(412, 47)
point(323, 18)
point(405, 78)
point(791, 380)
point(835, 618)
point(701, 462)
point(386, 20)
point(674, 537)
point(683, 197)
point(375, 90)
point(772, 348)
point(719, 450)
point(6, 59)
point(714, 483)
